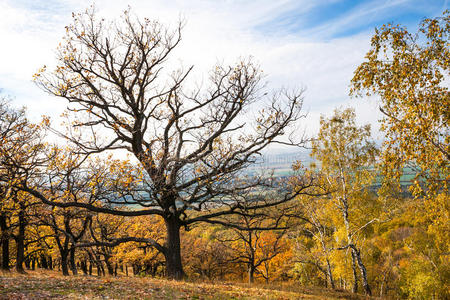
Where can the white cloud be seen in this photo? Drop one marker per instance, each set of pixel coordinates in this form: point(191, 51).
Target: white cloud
point(215, 31)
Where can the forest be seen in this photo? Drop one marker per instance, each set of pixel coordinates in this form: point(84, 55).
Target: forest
point(147, 175)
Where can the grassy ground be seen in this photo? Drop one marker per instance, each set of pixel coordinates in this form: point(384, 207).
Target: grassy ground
point(51, 285)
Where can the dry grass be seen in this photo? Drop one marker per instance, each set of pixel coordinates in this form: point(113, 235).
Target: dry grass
point(51, 285)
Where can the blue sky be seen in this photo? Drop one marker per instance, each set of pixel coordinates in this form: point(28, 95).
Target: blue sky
point(312, 44)
point(334, 19)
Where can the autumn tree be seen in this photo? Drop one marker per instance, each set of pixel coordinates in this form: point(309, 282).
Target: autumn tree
point(275, 254)
point(143, 258)
point(102, 230)
point(410, 73)
point(204, 256)
point(255, 237)
point(312, 234)
point(20, 152)
point(75, 181)
point(39, 239)
point(190, 144)
point(69, 226)
point(314, 241)
point(11, 121)
point(346, 154)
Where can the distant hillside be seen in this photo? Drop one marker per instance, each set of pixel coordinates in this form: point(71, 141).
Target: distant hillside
point(281, 163)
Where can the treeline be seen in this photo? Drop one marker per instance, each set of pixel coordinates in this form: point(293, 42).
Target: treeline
point(392, 239)
point(180, 204)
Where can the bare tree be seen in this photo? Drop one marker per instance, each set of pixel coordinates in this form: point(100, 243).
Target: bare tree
point(190, 144)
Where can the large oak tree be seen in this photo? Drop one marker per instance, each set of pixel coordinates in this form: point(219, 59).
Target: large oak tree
point(189, 143)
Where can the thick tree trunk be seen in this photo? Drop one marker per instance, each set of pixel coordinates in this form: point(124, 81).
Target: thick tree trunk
point(5, 253)
point(73, 265)
point(84, 267)
point(4, 238)
point(50, 263)
point(109, 266)
point(20, 245)
point(64, 263)
point(44, 263)
point(251, 274)
point(172, 253)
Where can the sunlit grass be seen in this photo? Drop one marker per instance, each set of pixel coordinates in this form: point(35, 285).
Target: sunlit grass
point(50, 284)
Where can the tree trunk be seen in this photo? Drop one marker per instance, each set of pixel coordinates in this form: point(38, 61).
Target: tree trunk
point(109, 266)
point(330, 275)
point(251, 274)
point(44, 263)
point(350, 243)
point(100, 269)
point(4, 238)
point(27, 263)
point(363, 270)
point(20, 238)
point(355, 274)
point(5, 253)
point(73, 265)
point(172, 253)
point(64, 263)
point(84, 267)
point(50, 263)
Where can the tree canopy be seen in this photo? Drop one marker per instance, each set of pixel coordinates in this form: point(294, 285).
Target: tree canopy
point(190, 143)
point(410, 72)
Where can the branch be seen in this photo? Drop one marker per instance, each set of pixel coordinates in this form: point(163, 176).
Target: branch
point(90, 207)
